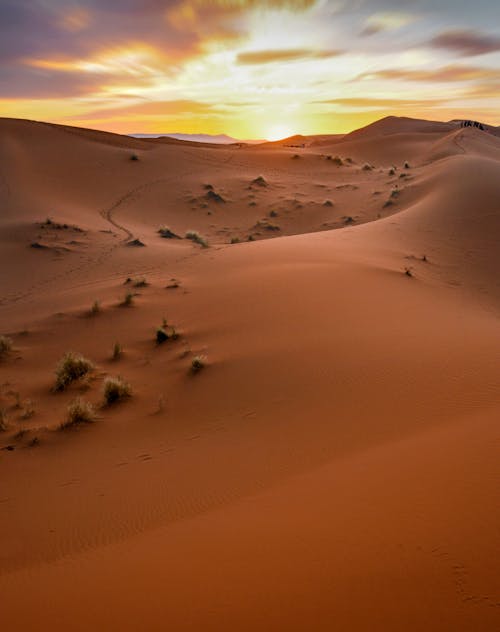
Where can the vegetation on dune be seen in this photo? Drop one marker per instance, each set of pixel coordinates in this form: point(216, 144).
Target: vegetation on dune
point(79, 412)
point(73, 366)
point(115, 389)
point(197, 364)
point(197, 238)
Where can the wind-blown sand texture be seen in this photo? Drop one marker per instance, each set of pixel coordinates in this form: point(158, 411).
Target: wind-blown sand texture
point(333, 465)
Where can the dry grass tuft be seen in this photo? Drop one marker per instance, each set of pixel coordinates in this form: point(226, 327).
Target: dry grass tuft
point(73, 366)
point(197, 238)
point(79, 412)
point(197, 364)
point(115, 389)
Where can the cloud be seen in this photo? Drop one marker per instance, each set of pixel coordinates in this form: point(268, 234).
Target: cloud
point(368, 103)
point(467, 42)
point(283, 55)
point(444, 74)
point(387, 22)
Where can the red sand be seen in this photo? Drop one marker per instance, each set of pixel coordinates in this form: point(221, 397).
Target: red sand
point(333, 466)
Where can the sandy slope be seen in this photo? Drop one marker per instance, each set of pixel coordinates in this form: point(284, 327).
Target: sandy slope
point(333, 466)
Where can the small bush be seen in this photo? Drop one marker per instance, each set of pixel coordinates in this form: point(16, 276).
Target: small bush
point(392, 171)
point(197, 364)
point(408, 272)
point(260, 181)
point(115, 389)
point(235, 240)
point(407, 165)
point(79, 412)
point(197, 238)
point(95, 309)
point(128, 300)
point(73, 366)
point(367, 167)
point(161, 335)
point(337, 160)
point(166, 233)
point(139, 282)
point(117, 351)
point(134, 157)
point(5, 346)
point(295, 156)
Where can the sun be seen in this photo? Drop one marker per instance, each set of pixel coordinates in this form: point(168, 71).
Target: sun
point(277, 132)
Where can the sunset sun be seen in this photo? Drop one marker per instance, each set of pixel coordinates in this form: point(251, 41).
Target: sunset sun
point(278, 132)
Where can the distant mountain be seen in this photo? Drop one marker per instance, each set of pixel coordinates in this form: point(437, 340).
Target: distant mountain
point(221, 139)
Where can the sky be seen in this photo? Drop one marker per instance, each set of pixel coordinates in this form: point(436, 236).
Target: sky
point(248, 68)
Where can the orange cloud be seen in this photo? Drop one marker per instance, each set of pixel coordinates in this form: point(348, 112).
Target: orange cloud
point(447, 73)
point(283, 55)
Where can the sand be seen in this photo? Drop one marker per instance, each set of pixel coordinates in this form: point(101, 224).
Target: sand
point(333, 465)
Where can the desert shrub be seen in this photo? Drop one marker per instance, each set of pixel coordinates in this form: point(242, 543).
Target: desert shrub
point(128, 300)
point(197, 238)
point(327, 203)
point(161, 335)
point(5, 346)
point(166, 233)
point(273, 213)
point(114, 389)
point(73, 366)
point(337, 160)
point(95, 309)
point(250, 238)
point(134, 157)
point(79, 412)
point(260, 181)
point(295, 156)
point(197, 364)
point(392, 171)
point(407, 165)
point(408, 272)
point(235, 240)
point(140, 282)
point(367, 167)
point(117, 351)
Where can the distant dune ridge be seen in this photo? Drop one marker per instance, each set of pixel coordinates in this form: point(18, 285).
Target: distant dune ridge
point(281, 418)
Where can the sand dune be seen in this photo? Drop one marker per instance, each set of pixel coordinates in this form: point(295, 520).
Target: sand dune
point(333, 465)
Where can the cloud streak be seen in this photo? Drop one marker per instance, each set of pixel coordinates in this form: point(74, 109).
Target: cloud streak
point(284, 55)
point(466, 42)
